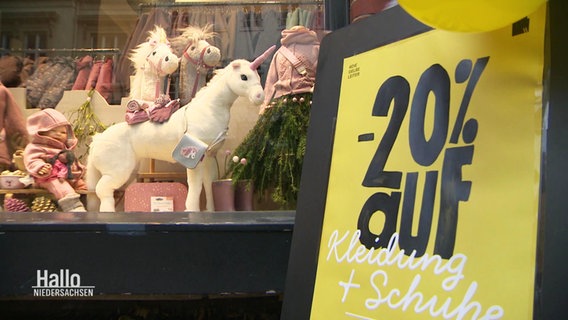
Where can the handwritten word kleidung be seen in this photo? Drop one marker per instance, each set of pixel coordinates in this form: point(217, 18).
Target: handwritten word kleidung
point(345, 249)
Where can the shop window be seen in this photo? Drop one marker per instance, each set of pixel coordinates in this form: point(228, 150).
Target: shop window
point(107, 32)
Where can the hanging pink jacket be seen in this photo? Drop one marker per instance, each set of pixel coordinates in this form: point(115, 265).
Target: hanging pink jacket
point(83, 70)
point(282, 78)
point(94, 75)
point(104, 82)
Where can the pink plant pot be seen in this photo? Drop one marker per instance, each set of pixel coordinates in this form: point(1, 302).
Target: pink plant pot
point(223, 195)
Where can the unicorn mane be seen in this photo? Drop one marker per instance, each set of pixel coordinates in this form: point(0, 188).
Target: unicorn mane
point(152, 60)
point(189, 35)
point(139, 54)
point(217, 76)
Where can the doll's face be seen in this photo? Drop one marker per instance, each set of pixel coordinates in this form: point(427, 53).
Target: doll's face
point(62, 157)
point(57, 133)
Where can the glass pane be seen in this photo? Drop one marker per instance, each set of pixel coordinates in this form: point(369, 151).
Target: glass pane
point(78, 57)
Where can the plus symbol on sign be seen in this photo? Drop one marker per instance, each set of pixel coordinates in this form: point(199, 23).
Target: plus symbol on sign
point(348, 285)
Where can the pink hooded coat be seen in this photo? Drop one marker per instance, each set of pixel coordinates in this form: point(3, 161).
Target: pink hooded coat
point(42, 147)
point(282, 77)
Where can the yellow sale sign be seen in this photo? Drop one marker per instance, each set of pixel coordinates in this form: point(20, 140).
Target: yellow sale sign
point(433, 194)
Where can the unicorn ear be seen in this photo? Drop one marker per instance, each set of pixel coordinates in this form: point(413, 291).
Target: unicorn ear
point(153, 42)
point(236, 65)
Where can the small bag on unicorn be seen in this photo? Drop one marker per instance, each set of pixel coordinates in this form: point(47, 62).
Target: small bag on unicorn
point(190, 150)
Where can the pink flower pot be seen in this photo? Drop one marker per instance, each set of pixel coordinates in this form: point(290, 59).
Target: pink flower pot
point(223, 195)
point(244, 191)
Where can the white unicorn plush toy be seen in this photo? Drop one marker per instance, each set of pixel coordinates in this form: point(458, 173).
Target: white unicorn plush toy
point(114, 153)
point(153, 61)
point(197, 56)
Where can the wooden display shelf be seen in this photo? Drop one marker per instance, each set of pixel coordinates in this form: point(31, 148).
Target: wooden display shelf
point(151, 176)
point(85, 195)
point(37, 191)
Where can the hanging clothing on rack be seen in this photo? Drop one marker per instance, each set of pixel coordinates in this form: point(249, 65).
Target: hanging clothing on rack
point(94, 75)
point(269, 36)
point(174, 17)
point(301, 17)
point(61, 77)
point(104, 81)
point(57, 70)
point(10, 70)
point(244, 30)
point(84, 66)
point(244, 35)
point(36, 85)
point(27, 70)
point(225, 22)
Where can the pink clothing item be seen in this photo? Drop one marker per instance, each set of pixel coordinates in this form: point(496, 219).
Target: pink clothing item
point(42, 147)
point(59, 188)
point(83, 70)
point(59, 170)
point(134, 105)
point(282, 78)
point(94, 75)
point(104, 82)
point(161, 113)
point(134, 117)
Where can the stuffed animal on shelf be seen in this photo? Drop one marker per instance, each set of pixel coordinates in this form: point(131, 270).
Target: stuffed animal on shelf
point(51, 136)
point(153, 61)
point(197, 57)
point(115, 153)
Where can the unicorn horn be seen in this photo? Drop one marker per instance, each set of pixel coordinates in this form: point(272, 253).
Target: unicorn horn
point(254, 65)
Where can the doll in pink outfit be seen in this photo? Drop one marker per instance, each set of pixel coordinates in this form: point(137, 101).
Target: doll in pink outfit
point(47, 158)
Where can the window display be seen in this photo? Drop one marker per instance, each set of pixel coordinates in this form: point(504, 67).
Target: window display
point(205, 118)
point(86, 60)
